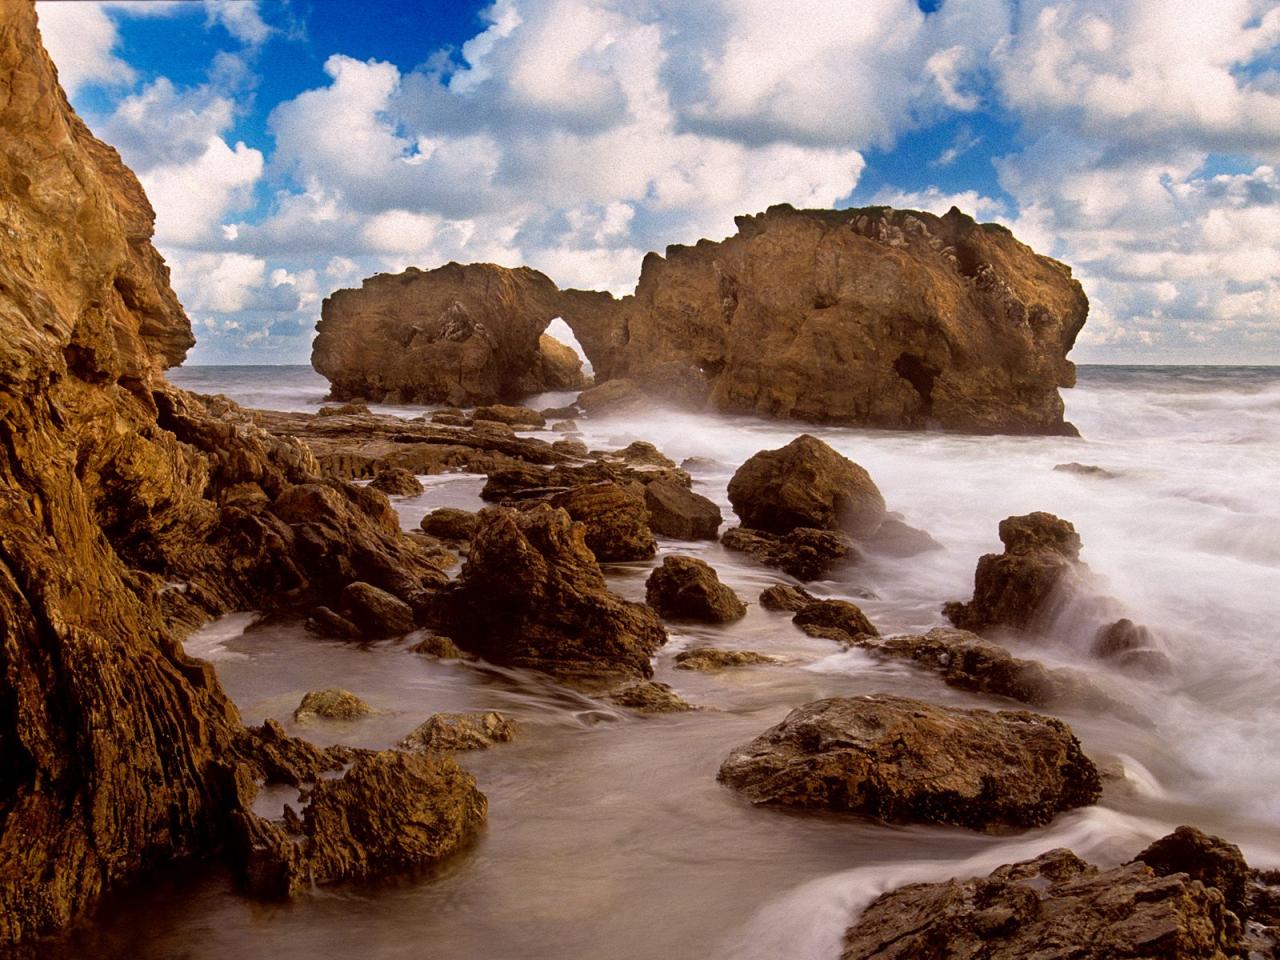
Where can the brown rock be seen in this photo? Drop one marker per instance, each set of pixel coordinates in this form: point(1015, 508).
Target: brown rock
point(355, 409)
point(565, 426)
point(397, 481)
point(332, 704)
point(616, 522)
point(649, 696)
point(438, 646)
point(1055, 907)
point(804, 553)
point(330, 623)
point(532, 595)
point(643, 453)
point(1211, 860)
point(806, 484)
point(460, 731)
point(450, 523)
point(837, 620)
point(676, 511)
point(713, 658)
point(611, 398)
point(571, 448)
point(686, 588)
point(557, 367)
point(783, 596)
point(376, 612)
point(907, 761)
point(512, 416)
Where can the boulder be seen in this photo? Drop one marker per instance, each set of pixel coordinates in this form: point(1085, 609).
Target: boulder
point(895, 538)
point(642, 453)
point(649, 696)
point(713, 658)
point(676, 511)
point(460, 731)
point(615, 520)
point(450, 523)
point(784, 596)
point(804, 553)
point(837, 620)
point(397, 481)
point(332, 704)
point(443, 648)
point(1055, 907)
point(570, 448)
point(565, 426)
point(512, 416)
point(806, 484)
point(906, 761)
point(1211, 860)
point(1015, 589)
point(376, 612)
point(532, 595)
point(686, 588)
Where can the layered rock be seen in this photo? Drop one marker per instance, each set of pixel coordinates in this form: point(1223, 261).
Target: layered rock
point(907, 761)
point(676, 511)
point(713, 658)
point(459, 334)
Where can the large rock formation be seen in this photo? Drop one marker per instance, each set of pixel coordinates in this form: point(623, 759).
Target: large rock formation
point(458, 334)
point(129, 511)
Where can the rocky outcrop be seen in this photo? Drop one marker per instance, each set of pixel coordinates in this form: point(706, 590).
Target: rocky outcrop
point(1211, 860)
point(1055, 907)
point(686, 588)
point(907, 761)
point(532, 595)
point(129, 512)
point(459, 334)
point(615, 521)
point(709, 659)
point(461, 731)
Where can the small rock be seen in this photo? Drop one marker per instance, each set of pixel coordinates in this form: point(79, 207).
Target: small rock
point(804, 553)
point(783, 596)
point(441, 647)
point(512, 416)
point(451, 418)
point(1085, 470)
point(377, 612)
point(644, 454)
point(898, 539)
point(649, 696)
point(397, 482)
point(837, 620)
point(328, 623)
point(676, 511)
point(702, 465)
point(713, 658)
point(687, 588)
point(450, 523)
point(565, 426)
point(460, 731)
point(570, 448)
point(332, 704)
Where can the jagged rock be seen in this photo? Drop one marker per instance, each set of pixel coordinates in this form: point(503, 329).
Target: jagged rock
point(1211, 860)
point(457, 334)
point(512, 416)
point(649, 696)
point(837, 620)
point(906, 761)
point(1055, 907)
point(783, 596)
point(872, 316)
point(435, 645)
point(461, 731)
point(713, 658)
point(532, 595)
point(643, 453)
point(397, 482)
point(676, 511)
point(376, 612)
point(616, 522)
point(1012, 589)
point(1086, 470)
point(806, 484)
point(450, 523)
point(804, 553)
point(332, 704)
point(686, 588)
point(557, 367)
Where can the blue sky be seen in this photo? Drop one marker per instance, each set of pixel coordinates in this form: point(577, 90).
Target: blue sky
point(291, 147)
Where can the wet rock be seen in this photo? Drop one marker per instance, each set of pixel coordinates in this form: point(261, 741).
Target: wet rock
point(397, 481)
point(643, 453)
point(1086, 470)
point(329, 623)
point(450, 523)
point(376, 612)
point(332, 704)
point(435, 645)
point(570, 448)
point(907, 761)
point(354, 409)
point(649, 696)
point(565, 426)
point(532, 595)
point(784, 596)
point(615, 520)
point(1055, 907)
point(713, 658)
point(837, 620)
point(1130, 646)
point(512, 416)
point(686, 588)
point(806, 484)
point(461, 731)
point(612, 398)
point(898, 539)
point(1014, 588)
point(1211, 860)
point(702, 465)
point(804, 553)
point(451, 418)
point(676, 511)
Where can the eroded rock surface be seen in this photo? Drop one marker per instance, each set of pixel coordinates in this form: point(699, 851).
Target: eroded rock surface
point(676, 511)
point(461, 731)
point(714, 658)
point(804, 553)
point(686, 588)
point(332, 704)
point(839, 620)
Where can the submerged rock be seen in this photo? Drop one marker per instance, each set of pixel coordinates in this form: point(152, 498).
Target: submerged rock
point(649, 696)
point(713, 658)
point(907, 761)
point(397, 482)
point(686, 588)
point(1086, 470)
point(676, 511)
point(804, 553)
point(460, 731)
point(837, 620)
point(332, 704)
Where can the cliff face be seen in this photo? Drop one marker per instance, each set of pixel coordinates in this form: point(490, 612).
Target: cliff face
point(878, 317)
point(129, 511)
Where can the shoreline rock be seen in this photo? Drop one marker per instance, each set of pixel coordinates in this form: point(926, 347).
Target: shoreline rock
point(686, 588)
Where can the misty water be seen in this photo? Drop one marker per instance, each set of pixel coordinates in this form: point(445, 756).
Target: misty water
point(608, 835)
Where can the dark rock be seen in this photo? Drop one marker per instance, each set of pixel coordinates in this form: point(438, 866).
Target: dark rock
point(450, 523)
point(460, 731)
point(783, 596)
point(686, 588)
point(806, 484)
point(376, 612)
point(616, 521)
point(328, 623)
point(676, 511)
point(1131, 646)
point(713, 658)
point(397, 481)
point(898, 539)
point(435, 645)
point(907, 761)
point(512, 416)
point(332, 704)
point(1086, 470)
point(804, 553)
point(837, 620)
point(1211, 860)
point(570, 448)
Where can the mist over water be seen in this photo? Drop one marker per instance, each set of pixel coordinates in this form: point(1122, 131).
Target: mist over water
point(608, 836)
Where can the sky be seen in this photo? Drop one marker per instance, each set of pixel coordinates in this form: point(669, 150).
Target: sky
point(293, 147)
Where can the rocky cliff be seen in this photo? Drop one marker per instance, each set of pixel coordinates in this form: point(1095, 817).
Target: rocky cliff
point(129, 511)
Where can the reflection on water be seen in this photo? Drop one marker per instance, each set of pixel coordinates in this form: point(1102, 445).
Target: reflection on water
point(608, 835)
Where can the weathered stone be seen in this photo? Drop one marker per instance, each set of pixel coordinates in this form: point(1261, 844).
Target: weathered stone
point(837, 620)
point(376, 612)
point(512, 416)
point(557, 367)
point(329, 623)
point(713, 658)
point(354, 409)
point(676, 511)
point(460, 731)
point(397, 481)
point(611, 398)
point(806, 484)
point(332, 704)
point(565, 426)
point(435, 645)
point(1055, 907)
point(1211, 860)
point(571, 448)
point(532, 595)
point(804, 553)
point(907, 761)
point(686, 588)
point(649, 696)
point(450, 523)
point(783, 596)
point(616, 522)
